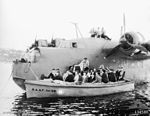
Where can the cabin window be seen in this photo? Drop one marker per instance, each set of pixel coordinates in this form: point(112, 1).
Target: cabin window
point(74, 44)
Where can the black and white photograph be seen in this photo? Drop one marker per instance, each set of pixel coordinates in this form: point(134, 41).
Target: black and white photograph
point(74, 58)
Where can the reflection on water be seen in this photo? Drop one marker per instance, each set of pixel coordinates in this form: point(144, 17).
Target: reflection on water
point(118, 104)
point(14, 102)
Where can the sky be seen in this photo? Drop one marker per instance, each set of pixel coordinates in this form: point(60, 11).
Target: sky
point(21, 21)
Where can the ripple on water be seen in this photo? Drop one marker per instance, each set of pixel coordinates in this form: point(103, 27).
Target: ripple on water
point(14, 101)
point(117, 104)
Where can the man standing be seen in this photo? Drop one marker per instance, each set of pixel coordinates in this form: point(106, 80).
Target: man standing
point(84, 64)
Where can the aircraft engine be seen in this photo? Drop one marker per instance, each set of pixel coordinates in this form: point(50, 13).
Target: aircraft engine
point(132, 38)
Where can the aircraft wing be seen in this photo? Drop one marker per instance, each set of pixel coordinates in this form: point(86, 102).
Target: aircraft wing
point(139, 47)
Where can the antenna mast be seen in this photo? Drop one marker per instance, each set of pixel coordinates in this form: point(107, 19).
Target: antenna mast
point(77, 30)
point(121, 30)
point(124, 23)
point(35, 37)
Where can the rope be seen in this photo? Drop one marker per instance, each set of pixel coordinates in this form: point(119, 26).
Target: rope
point(27, 68)
point(36, 77)
point(6, 84)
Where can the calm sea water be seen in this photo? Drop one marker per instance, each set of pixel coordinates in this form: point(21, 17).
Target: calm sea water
point(13, 102)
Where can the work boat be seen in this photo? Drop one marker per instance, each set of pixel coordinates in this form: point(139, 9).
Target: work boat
point(43, 56)
point(48, 88)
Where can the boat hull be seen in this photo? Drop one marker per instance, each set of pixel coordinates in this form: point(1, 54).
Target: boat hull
point(41, 89)
point(19, 82)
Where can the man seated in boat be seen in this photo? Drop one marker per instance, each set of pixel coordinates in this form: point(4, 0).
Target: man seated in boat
point(120, 74)
point(57, 75)
point(94, 76)
point(50, 76)
point(90, 76)
point(102, 71)
point(98, 78)
point(75, 76)
point(54, 75)
point(78, 78)
point(111, 75)
point(87, 76)
point(68, 75)
point(84, 77)
point(84, 64)
point(104, 76)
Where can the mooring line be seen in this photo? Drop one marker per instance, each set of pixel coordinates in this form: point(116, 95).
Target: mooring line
point(5, 85)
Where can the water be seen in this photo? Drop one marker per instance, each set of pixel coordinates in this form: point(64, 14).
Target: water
point(13, 102)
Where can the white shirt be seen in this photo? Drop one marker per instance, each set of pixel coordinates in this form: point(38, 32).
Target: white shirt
point(76, 78)
point(84, 64)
